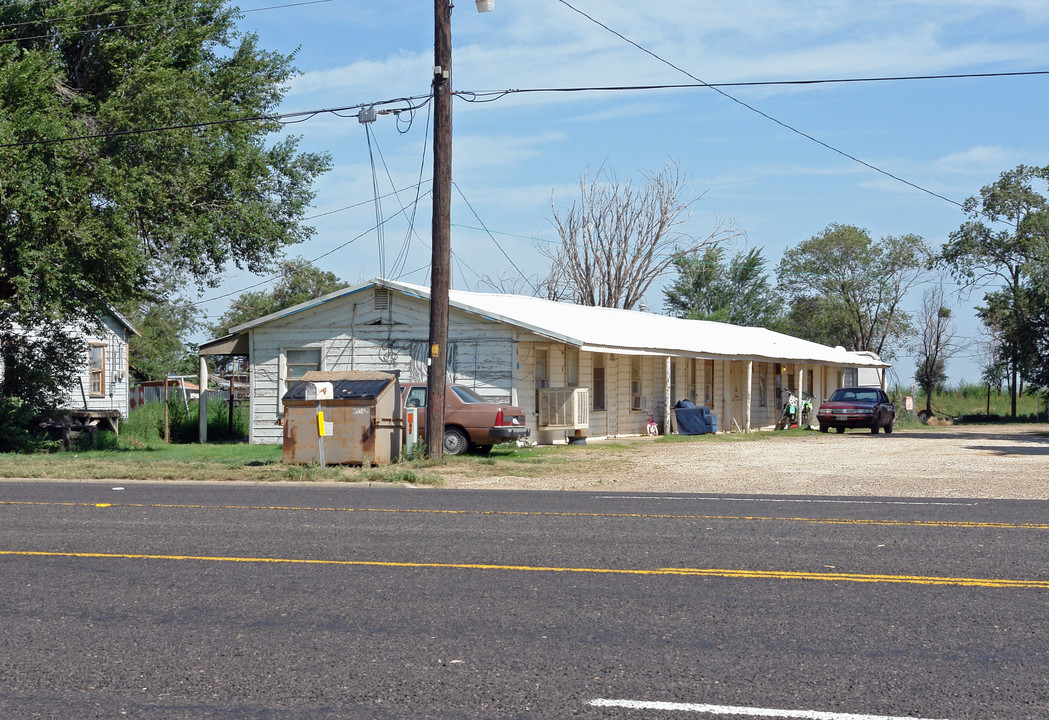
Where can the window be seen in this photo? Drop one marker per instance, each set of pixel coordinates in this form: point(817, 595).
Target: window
point(635, 382)
point(97, 370)
point(542, 372)
point(572, 367)
point(467, 395)
point(300, 361)
point(416, 397)
point(598, 397)
point(762, 391)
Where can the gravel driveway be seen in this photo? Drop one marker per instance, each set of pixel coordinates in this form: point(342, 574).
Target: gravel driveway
point(1000, 461)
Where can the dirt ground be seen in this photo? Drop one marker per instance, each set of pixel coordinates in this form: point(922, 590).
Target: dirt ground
point(1001, 461)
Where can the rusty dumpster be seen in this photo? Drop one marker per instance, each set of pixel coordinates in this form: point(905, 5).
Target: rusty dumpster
point(361, 419)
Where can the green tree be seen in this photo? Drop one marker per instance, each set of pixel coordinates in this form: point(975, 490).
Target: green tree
point(852, 288)
point(299, 282)
point(1003, 243)
point(162, 347)
point(738, 292)
point(106, 219)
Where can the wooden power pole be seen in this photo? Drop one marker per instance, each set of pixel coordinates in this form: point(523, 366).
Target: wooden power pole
point(440, 264)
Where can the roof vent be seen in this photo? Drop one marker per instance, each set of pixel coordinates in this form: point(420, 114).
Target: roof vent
point(381, 301)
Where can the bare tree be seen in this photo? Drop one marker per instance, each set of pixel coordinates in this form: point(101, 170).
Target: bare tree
point(616, 239)
point(936, 345)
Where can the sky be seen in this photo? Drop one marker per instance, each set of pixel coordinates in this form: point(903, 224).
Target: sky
point(516, 157)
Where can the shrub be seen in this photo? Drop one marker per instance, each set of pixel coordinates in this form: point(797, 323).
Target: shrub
point(20, 429)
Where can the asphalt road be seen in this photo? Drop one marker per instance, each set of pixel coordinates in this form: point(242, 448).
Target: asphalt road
point(204, 601)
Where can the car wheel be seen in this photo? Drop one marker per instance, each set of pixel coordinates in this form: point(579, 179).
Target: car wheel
point(824, 428)
point(840, 429)
point(455, 441)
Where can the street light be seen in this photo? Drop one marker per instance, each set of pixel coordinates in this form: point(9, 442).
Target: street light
point(441, 228)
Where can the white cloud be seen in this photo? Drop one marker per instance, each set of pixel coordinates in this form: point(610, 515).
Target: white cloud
point(982, 160)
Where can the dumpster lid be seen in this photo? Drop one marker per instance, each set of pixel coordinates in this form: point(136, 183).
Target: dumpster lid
point(349, 385)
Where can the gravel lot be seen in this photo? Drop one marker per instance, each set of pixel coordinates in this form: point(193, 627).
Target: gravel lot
point(1010, 461)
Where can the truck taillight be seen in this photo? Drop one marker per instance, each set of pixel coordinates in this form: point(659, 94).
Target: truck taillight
point(499, 417)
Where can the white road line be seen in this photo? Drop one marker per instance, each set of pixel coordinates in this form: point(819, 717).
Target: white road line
point(741, 711)
point(789, 500)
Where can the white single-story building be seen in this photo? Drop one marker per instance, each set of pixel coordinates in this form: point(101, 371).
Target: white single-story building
point(103, 382)
point(574, 369)
point(100, 387)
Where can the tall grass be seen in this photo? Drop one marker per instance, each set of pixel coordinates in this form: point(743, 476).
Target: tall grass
point(145, 424)
point(973, 401)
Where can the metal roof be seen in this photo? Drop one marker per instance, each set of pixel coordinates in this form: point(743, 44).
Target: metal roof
point(611, 330)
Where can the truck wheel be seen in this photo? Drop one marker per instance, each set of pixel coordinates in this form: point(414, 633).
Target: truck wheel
point(455, 441)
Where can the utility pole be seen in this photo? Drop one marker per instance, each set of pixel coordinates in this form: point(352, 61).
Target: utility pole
point(441, 240)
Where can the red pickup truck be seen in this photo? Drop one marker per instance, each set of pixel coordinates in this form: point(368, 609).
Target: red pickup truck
point(470, 421)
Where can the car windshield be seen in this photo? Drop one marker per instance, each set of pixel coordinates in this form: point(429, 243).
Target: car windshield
point(854, 394)
point(467, 395)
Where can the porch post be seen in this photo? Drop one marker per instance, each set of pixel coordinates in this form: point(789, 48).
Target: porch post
point(202, 402)
point(726, 393)
point(667, 411)
point(748, 390)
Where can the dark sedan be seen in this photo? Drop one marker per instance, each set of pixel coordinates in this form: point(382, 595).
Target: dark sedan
point(857, 407)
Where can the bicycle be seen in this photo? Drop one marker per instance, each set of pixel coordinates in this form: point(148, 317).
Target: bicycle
point(652, 429)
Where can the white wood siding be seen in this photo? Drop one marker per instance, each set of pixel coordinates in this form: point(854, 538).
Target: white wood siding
point(113, 336)
point(354, 336)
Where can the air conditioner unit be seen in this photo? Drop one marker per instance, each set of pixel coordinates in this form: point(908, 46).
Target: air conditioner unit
point(564, 408)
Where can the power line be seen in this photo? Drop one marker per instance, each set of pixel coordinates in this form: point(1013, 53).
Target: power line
point(753, 109)
point(268, 280)
point(90, 15)
point(131, 26)
point(492, 95)
point(478, 217)
point(303, 116)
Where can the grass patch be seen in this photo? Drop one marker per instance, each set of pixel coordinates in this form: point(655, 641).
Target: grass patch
point(216, 463)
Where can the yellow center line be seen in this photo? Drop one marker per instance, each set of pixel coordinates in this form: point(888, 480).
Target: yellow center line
point(683, 572)
point(953, 524)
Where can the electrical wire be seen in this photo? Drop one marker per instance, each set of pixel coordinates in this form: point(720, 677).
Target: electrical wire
point(474, 96)
point(282, 118)
point(379, 234)
point(102, 13)
point(273, 278)
point(364, 202)
point(755, 110)
point(490, 235)
point(402, 255)
point(131, 26)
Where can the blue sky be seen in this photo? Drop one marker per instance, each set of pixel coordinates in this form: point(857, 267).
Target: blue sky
point(514, 156)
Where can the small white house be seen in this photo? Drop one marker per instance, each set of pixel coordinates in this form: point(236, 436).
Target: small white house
point(103, 383)
point(574, 369)
point(100, 388)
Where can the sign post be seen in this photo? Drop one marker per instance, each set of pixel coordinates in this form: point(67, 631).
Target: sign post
point(320, 391)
